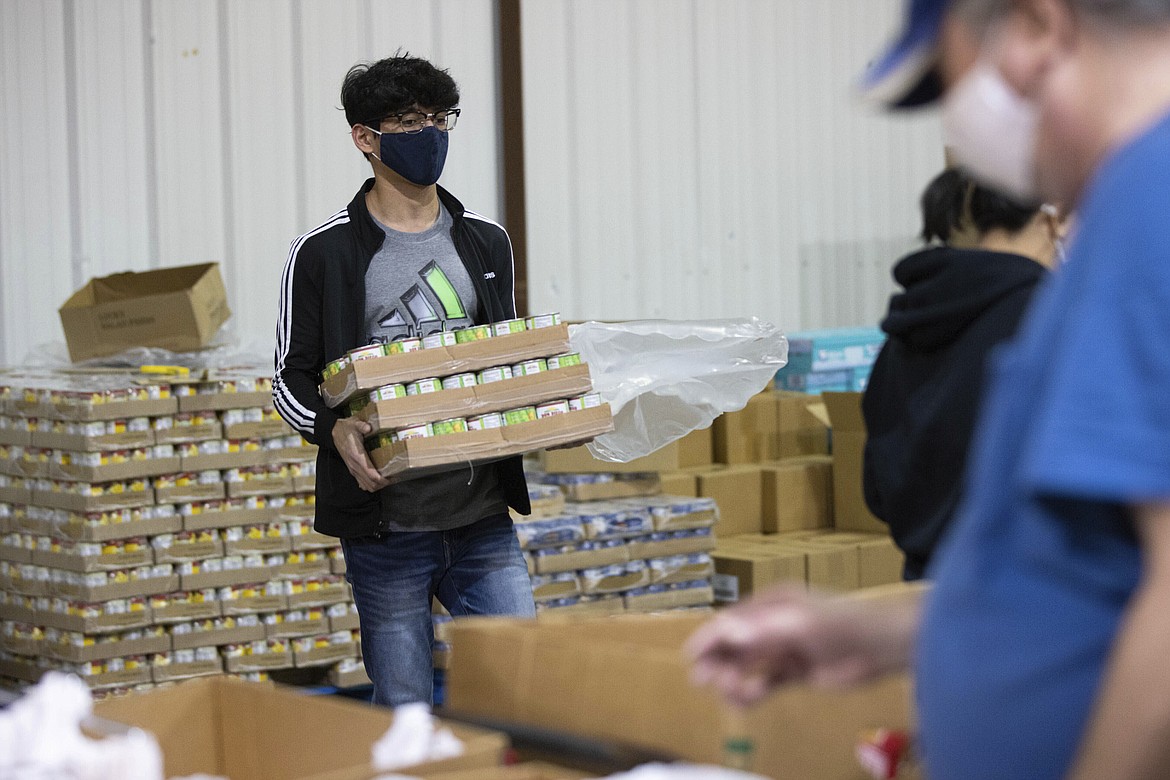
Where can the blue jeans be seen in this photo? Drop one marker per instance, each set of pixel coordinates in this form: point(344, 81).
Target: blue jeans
point(473, 570)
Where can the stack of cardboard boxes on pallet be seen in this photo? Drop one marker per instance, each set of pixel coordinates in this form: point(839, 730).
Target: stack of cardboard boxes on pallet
point(813, 524)
point(156, 530)
point(787, 508)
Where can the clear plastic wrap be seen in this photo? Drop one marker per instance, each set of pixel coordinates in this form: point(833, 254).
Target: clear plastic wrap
point(664, 379)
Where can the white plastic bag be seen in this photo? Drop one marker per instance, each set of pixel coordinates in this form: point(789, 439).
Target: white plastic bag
point(664, 378)
point(41, 737)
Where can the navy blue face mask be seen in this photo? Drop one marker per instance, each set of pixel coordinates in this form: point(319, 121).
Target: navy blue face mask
point(416, 157)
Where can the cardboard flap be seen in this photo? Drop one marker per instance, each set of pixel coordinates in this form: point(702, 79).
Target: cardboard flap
point(130, 284)
point(844, 411)
point(820, 412)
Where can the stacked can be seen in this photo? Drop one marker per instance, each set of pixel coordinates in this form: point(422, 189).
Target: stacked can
point(402, 346)
point(444, 338)
point(473, 333)
point(508, 326)
point(564, 361)
point(542, 321)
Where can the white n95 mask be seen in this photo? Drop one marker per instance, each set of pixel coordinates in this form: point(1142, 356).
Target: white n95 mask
point(992, 131)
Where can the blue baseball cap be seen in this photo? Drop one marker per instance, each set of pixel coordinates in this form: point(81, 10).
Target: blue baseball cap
point(906, 75)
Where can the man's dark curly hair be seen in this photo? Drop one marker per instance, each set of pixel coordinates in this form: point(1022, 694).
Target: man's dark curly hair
point(371, 92)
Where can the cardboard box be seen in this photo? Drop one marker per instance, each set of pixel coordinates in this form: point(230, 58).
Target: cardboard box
point(179, 309)
point(747, 435)
point(638, 692)
point(797, 494)
point(679, 483)
point(737, 491)
point(236, 635)
point(834, 560)
point(740, 572)
point(697, 448)
point(850, 512)
point(799, 431)
point(255, 731)
point(880, 562)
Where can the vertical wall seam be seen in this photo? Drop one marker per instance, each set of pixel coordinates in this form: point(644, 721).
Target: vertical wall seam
point(573, 261)
point(300, 174)
point(77, 264)
point(227, 167)
point(154, 240)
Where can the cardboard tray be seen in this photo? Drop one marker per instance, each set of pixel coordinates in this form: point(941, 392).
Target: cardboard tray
point(151, 467)
point(181, 494)
point(670, 599)
point(214, 402)
point(129, 440)
point(557, 384)
point(418, 456)
point(581, 559)
point(103, 650)
point(82, 532)
point(117, 590)
point(366, 375)
point(183, 613)
point(219, 636)
point(71, 561)
point(172, 672)
point(261, 662)
point(265, 429)
point(79, 503)
point(181, 434)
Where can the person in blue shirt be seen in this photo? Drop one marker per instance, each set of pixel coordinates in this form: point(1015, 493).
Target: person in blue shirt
point(1040, 651)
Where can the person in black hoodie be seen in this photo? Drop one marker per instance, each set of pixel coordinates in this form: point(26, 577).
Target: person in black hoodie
point(956, 305)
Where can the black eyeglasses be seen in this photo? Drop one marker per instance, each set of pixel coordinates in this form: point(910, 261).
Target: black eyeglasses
point(414, 121)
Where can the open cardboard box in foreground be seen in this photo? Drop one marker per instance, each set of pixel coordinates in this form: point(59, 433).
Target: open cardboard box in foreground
point(258, 731)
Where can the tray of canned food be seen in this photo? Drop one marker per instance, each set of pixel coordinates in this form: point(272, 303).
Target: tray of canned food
point(438, 445)
point(533, 382)
point(442, 354)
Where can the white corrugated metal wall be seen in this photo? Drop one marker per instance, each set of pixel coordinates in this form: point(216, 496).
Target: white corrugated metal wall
point(685, 158)
point(138, 134)
point(709, 158)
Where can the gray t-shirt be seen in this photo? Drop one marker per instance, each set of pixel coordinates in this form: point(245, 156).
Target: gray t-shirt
point(415, 285)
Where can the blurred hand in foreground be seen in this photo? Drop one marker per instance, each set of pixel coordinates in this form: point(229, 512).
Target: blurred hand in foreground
point(788, 635)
